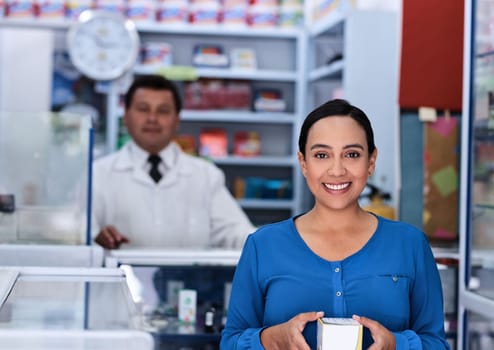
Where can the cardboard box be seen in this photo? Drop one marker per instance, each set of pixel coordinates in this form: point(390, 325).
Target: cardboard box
point(213, 143)
point(339, 334)
point(187, 305)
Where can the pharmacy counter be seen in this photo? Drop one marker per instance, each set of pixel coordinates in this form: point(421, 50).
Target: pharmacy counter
point(69, 308)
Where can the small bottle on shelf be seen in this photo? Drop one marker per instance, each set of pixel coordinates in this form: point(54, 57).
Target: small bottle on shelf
point(209, 317)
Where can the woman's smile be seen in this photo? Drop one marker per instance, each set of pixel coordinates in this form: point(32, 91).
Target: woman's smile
point(337, 187)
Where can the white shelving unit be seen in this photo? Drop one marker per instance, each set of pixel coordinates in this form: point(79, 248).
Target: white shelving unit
point(294, 61)
point(355, 55)
point(278, 130)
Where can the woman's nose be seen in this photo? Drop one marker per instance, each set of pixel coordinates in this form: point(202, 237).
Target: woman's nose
point(336, 168)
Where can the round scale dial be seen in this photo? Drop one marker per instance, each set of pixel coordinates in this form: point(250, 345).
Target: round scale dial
point(103, 45)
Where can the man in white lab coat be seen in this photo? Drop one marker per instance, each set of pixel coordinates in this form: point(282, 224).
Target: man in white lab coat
point(186, 205)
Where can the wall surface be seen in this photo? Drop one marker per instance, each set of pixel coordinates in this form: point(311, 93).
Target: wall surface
point(25, 69)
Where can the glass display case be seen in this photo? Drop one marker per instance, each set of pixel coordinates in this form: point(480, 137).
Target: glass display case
point(476, 279)
point(45, 160)
point(69, 308)
point(44, 188)
point(158, 275)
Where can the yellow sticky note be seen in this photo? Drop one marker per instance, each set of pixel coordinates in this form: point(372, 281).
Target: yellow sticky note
point(179, 72)
point(427, 114)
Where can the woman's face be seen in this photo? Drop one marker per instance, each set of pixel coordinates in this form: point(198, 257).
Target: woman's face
point(337, 163)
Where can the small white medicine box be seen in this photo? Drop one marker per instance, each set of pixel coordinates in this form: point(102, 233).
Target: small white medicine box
point(339, 334)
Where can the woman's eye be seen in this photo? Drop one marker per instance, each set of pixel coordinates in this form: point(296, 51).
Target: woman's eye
point(353, 154)
point(321, 155)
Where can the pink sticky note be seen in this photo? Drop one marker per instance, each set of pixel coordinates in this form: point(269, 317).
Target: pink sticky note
point(444, 126)
point(443, 234)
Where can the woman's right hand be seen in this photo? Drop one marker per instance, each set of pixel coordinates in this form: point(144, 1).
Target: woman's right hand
point(288, 335)
point(110, 238)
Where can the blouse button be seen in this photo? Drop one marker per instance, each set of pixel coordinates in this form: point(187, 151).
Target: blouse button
point(337, 269)
point(338, 294)
point(395, 279)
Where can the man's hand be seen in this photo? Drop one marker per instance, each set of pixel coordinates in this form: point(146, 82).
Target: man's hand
point(383, 339)
point(110, 238)
point(288, 335)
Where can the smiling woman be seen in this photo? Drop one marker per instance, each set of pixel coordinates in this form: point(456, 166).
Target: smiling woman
point(336, 162)
point(329, 260)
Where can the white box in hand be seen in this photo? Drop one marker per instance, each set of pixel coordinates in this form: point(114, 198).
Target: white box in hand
point(187, 305)
point(339, 334)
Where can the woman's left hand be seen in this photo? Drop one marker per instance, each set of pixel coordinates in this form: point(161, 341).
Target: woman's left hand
point(383, 338)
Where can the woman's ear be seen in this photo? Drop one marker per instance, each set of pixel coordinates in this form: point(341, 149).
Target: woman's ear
point(372, 162)
point(301, 161)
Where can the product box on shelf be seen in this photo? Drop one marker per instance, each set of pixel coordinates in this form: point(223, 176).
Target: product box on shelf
point(117, 6)
point(217, 94)
point(209, 56)
point(50, 9)
point(263, 16)
point(235, 16)
point(203, 94)
point(237, 95)
point(142, 11)
point(255, 187)
point(174, 12)
point(247, 144)
point(277, 189)
point(213, 143)
point(269, 100)
point(243, 58)
point(156, 54)
point(187, 143)
point(291, 15)
point(205, 13)
point(187, 305)
point(20, 9)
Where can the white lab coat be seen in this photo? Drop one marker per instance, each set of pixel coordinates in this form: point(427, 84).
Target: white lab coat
point(189, 208)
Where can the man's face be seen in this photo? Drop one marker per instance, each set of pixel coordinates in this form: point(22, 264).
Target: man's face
point(151, 119)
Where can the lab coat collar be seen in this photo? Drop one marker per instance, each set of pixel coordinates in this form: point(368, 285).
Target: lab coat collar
point(175, 164)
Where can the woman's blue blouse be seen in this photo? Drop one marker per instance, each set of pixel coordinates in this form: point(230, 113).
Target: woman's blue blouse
point(393, 279)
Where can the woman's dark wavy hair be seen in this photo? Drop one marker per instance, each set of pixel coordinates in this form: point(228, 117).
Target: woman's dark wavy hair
point(154, 82)
point(336, 107)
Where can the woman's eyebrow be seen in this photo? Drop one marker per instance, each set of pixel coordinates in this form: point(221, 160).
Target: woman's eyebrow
point(319, 145)
point(322, 145)
point(354, 145)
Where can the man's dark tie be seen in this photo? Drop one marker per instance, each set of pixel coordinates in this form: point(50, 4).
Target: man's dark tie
point(154, 171)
